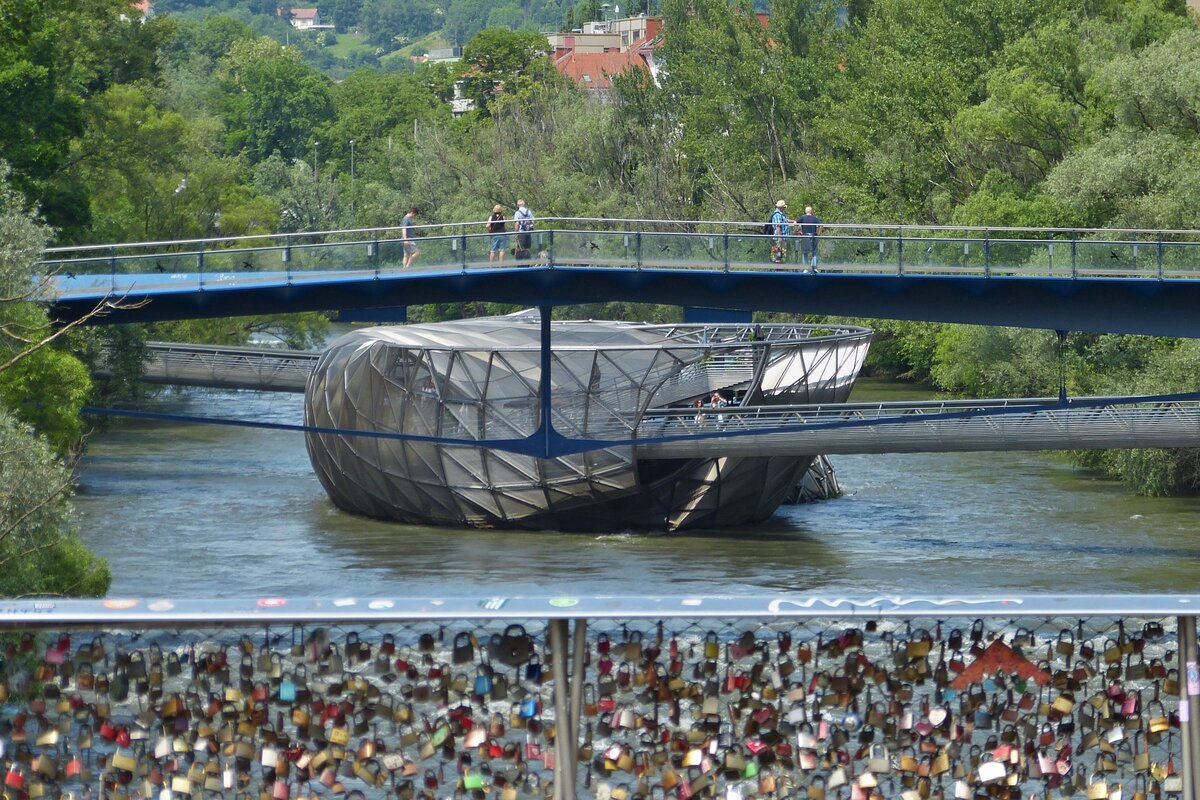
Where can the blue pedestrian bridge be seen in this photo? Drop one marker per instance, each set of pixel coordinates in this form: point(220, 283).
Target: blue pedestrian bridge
point(1119, 281)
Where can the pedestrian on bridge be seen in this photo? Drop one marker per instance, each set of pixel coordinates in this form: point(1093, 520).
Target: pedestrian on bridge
point(810, 229)
point(781, 229)
point(407, 236)
point(523, 222)
point(496, 227)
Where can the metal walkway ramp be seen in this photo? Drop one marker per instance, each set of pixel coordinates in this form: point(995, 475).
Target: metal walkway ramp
point(931, 427)
point(258, 368)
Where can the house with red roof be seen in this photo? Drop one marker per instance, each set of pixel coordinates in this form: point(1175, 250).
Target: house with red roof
point(600, 50)
point(302, 18)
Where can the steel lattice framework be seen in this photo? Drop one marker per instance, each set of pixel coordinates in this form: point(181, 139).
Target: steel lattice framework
point(481, 380)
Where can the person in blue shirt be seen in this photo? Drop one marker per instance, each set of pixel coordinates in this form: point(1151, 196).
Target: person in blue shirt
point(810, 229)
point(780, 229)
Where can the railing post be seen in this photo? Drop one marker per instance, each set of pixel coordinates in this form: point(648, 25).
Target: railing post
point(1159, 249)
point(112, 268)
point(726, 246)
point(987, 253)
point(899, 251)
point(462, 244)
point(1189, 707)
point(578, 666)
point(562, 715)
point(1074, 243)
point(550, 249)
point(637, 250)
point(200, 266)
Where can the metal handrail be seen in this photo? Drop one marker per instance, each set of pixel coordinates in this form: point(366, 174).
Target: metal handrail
point(456, 231)
point(126, 611)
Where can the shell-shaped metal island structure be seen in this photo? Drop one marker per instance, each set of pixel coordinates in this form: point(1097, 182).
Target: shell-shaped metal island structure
point(479, 379)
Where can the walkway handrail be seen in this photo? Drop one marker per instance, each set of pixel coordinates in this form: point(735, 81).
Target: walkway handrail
point(119, 610)
point(1145, 236)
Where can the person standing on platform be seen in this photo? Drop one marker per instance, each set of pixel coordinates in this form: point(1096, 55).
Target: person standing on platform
point(810, 229)
point(496, 227)
point(523, 223)
point(407, 236)
point(780, 230)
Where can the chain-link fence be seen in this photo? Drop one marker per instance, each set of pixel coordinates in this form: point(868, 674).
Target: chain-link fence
point(706, 707)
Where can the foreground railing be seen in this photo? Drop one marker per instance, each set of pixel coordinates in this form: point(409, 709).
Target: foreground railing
point(634, 244)
point(683, 697)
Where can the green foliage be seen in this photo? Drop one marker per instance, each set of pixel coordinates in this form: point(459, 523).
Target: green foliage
point(39, 554)
point(42, 385)
point(996, 362)
point(497, 61)
point(391, 23)
point(46, 390)
point(294, 331)
point(901, 350)
point(273, 102)
point(1141, 171)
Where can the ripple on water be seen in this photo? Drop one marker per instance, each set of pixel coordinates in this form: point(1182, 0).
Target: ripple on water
point(217, 511)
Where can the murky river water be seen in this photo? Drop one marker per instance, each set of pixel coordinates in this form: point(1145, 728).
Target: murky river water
point(205, 511)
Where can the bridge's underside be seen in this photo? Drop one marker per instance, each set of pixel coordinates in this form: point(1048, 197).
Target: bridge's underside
point(1113, 305)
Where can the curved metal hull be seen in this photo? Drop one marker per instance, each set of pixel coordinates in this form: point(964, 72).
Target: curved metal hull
point(470, 381)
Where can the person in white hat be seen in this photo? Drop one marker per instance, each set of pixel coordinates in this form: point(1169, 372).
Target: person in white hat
point(780, 230)
point(496, 227)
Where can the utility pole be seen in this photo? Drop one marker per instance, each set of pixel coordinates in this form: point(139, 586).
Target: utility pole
point(316, 179)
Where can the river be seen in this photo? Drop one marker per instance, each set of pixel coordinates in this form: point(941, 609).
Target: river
point(208, 511)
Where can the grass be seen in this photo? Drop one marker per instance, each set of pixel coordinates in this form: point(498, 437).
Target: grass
point(350, 44)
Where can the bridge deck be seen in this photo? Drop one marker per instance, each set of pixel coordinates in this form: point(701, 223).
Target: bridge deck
point(1104, 281)
point(960, 426)
point(257, 368)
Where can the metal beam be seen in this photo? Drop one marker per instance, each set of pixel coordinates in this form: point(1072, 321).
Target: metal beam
point(1096, 305)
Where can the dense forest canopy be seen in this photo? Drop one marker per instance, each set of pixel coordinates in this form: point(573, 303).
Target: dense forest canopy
point(217, 118)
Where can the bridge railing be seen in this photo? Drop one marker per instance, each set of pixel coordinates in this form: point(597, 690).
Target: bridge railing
point(638, 244)
point(787, 696)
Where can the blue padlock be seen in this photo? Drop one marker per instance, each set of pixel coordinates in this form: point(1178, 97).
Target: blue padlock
point(528, 708)
point(287, 691)
point(483, 683)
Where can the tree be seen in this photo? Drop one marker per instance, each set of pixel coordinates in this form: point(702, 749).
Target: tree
point(53, 56)
point(499, 60)
point(39, 553)
point(1144, 170)
point(389, 21)
point(273, 101)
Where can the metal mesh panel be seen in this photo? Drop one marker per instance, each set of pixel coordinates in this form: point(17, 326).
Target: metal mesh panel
point(481, 379)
